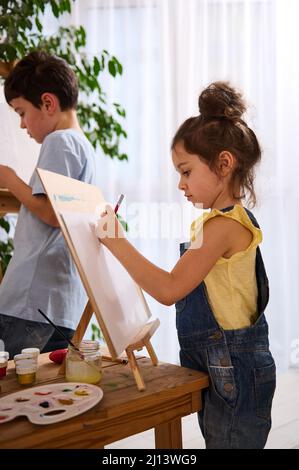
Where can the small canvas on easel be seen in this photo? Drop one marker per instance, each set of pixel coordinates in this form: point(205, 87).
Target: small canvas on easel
point(114, 297)
point(120, 301)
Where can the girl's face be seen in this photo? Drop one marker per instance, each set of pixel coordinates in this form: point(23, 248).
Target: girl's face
point(199, 183)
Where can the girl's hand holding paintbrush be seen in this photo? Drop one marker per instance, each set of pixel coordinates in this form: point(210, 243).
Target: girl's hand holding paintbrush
point(108, 229)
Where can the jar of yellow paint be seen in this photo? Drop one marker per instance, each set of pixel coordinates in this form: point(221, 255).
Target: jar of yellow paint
point(26, 371)
point(84, 365)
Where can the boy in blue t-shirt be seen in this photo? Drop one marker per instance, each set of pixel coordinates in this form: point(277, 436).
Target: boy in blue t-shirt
point(43, 90)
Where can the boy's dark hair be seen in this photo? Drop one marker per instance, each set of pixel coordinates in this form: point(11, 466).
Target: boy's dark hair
point(39, 73)
point(219, 127)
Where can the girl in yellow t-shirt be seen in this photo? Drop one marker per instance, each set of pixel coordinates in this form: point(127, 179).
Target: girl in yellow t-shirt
point(219, 285)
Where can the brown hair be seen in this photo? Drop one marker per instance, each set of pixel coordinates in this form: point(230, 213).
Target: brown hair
point(38, 73)
point(219, 127)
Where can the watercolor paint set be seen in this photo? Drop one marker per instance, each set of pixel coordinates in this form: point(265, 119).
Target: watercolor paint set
point(51, 403)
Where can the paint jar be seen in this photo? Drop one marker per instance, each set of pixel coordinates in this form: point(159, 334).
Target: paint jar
point(84, 366)
point(3, 367)
point(23, 356)
point(34, 352)
point(26, 371)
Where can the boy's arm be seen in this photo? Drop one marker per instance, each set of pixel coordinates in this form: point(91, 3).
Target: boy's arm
point(39, 205)
point(187, 274)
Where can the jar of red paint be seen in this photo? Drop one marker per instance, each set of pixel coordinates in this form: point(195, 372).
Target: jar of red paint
point(3, 367)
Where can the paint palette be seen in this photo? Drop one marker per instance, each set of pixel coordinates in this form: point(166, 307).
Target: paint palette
point(51, 403)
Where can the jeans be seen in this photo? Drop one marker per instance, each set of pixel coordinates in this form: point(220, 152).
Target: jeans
point(236, 407)
point(17, 334)
point(236, 412)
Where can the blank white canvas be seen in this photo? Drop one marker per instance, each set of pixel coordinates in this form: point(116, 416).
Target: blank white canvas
point(121, 302)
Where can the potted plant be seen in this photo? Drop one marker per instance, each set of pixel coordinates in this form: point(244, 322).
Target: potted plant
point(21, 31)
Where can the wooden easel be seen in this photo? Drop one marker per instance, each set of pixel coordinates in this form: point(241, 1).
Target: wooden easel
point(86, 198)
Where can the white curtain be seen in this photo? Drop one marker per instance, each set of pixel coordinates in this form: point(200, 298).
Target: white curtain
point(170, 50)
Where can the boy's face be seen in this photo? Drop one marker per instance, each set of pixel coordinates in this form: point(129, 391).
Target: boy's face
point(35, 120)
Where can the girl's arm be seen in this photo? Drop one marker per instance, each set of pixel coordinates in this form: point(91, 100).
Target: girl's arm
point(186, 275)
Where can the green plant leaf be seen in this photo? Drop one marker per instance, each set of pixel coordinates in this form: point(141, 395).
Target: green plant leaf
point(7, 52)
point(96, 332)
point(55, 8)
point(5, 225)
point(38, 25)
point(112, 68)
point(118, 65)
point(68, 7)
point(96, 66)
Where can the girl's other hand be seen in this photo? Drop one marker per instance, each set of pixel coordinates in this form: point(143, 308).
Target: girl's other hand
point(108, 228)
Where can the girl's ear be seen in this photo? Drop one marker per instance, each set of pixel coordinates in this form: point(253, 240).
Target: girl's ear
point(49, 102)
point(226, 163)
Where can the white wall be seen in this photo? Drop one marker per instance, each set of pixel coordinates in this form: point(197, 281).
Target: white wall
point(17, 149)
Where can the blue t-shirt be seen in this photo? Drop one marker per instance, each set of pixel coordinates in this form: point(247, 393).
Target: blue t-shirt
point(41, 273)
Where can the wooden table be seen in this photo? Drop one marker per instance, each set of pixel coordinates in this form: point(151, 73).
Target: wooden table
point(171, 393)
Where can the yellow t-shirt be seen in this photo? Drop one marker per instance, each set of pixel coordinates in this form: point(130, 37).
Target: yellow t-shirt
point(231, 283)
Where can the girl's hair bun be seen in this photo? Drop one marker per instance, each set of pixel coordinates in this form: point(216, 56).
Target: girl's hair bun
point(219, 100)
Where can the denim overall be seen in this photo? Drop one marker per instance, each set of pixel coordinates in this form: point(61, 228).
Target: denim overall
point(236, 407)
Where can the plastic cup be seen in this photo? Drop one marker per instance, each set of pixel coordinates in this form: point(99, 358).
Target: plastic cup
point(32, 351)
point(23, 356)
point(4, 354)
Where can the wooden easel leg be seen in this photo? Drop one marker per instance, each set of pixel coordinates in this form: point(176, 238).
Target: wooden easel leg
point(135, 370)
point(152, 353)
point(84, 322)
point(139, 342)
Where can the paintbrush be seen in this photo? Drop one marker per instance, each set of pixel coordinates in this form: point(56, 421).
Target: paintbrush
point(119, 360)
point(60, 332)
